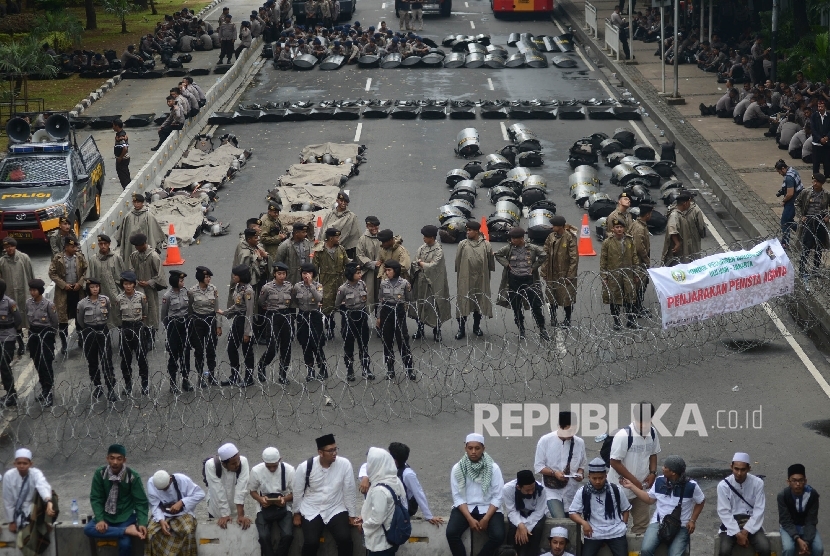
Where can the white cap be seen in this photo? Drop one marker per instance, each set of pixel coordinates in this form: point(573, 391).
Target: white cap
point(161, 479)
point(227, 451)
point(23, 453)
point(742, 457)
point(271, 455)
point(559, 532)
point(475, 437)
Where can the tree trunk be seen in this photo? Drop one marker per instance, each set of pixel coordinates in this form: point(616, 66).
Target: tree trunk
point(141, 4)
point(123, 25)
point(153, 7)
point(802, 23)
point(91, 18)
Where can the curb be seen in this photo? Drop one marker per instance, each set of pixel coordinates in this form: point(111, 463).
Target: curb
point(111, 83)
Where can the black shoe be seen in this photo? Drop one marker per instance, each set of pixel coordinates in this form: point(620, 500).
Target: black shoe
point(323, 374)
point(261, 376)
point(477, 331)
point(419, 333)
point(97, 392)
point(145, 390)
point(566, 323)
point(186, 386)
point(9, 400)
point(368, 375)
point(633, 325)
point(329, 334)
point(233, 381)
point(350, 377)
point(249, 381)
point(521, 333)
point(704, 110)
point(309, 377)
point(617, 326)
point(282, 380)
point(544, 335)
point(63, 350)
point(461, 334)
point(174, 389)
point(410, 374)
point(390, 375)
point(436, 334)
point(45, 399)
point(154, 149)
point(112, 396)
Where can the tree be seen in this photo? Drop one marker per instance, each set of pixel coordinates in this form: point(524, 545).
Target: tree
point(121, 9)
point(62, 27)
point(18, 60)
point(91, 18)
point(802, 22)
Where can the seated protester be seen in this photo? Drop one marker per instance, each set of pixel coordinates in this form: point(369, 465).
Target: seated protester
point(318, 50)
point(119, 504)
point(786, 131)
point(558, 542)
point(79, 60)
point(379, 507)
point(740, 110)
point(525, 506)
point(726, 104)
point(130, 60)
point(477, 487)
point(227, 475)
point(301, 48)
point(797, 515)
point(558, 454)
point(205, 42)
point(602, 511)
point(741, 505)
point(149, 44)
point(282, 57)
point(716, 61)
point(187, 43)
point(27, 497)
point(392, 47)
point(173, 500)
point(795, 147)
point(419, 48)
point(99, 63)
point(755, 115)
point(370, 49)
point(352, 53)
point(675, 495)
point(703, 55)
point(337, 49)
point(271, 485)
point(192, 99)
point(807, 146)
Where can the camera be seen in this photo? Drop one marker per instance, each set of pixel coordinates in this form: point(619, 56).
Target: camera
point(781, 192)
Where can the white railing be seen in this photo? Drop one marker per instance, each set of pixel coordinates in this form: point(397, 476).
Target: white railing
point(612, 38)
point(591, 19)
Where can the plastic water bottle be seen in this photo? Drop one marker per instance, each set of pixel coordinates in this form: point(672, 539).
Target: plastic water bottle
point(84, 235)
point(75, 513)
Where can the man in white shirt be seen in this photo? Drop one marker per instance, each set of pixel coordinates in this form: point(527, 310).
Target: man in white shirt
point(741, 504)
point(558, 542)
point(173, 500)
point(670, 489)
point(324, 497)
point(558, 454)
point(602, 511)
point(477, 488)
point(227, 476)
point(271, 485)
point(19, 488)
point(525, 505)
point(634, 457)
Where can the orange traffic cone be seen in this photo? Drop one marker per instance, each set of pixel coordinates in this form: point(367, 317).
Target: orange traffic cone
point(484, 231)
point(586, 248)
point(174, 255)
point(318, 229)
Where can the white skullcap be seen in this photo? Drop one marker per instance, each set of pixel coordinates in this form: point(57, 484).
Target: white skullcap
point(475, 437)
point(161, 479)
point(227, 451)
point(742, 457)
point(559, 532)
point(23, 453)
point(271, 455)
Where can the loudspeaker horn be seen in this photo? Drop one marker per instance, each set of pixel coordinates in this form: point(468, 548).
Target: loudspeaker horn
point(58, 126)
point(18, 130)
point(41, 136)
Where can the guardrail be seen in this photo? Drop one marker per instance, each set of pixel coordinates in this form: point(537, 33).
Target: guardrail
point(591, 19)
point(612, 38)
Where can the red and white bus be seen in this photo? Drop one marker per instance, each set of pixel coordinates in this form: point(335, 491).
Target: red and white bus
point(521, 6)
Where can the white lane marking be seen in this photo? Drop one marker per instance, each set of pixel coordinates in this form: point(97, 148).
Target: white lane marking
point(346, 191)
point(585, 60)
point(607, 89)
point(490, 82)
point(640, 133)
point(473, 25)
point(466, 4)
point(368, 83)
point(357, 133)
point(504, 132)
point(383, 6)
point(561, 30)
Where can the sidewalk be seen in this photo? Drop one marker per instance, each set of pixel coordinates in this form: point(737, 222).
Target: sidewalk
point(737, 162)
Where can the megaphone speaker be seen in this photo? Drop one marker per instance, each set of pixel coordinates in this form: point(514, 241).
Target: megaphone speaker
point(41, 136)
point(18, 130)
point(58, 126)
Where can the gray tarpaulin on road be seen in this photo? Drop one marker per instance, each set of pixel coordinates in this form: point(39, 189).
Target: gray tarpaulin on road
point(340, 151)
point(185, 213)
point(323, 196)
point(316, 174)
point(184, 177)
point(223, 157)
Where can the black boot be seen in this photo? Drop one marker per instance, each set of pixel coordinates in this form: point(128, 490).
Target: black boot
point(462, 325)
point(186, 385)
point(390, 371)
point(410, 374)
point(367, 373)
point(233, 380)
point(350, 373)
point(261, 375)
point(419, 333)
point(477, 324)
point(9, 400)
point(436, 333)
point(63, 329)
point(249, 379)
point(521, 324)
point(543, 334)
point(283, 376)
point(330, 328)
point(617, 323)
point(324, 370)
point(553, 320)
point(174, 388)
point(567, 322)
point(21, 348)
point(309, 373)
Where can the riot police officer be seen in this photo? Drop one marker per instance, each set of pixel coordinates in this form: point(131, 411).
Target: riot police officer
point(394, 296)
point(308, 295)
point(43, 325)
point(276, 298)
point(351, 300)
point(132, 305)
point(174, 309)
point(203, 326)
point(240, 313)
point(93, 312)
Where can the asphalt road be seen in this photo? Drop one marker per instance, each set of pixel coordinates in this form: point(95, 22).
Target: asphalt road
point(760, 401)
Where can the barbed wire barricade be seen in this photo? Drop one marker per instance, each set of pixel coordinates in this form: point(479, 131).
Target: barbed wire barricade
point(450, 376)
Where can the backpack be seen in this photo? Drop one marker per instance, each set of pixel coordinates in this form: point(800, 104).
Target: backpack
point(401, 527)
point(586, 501)
point(217, 465)
point(605, 451)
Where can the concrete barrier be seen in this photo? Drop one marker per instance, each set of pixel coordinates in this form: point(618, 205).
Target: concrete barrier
point(612, 38)
point(591, 19)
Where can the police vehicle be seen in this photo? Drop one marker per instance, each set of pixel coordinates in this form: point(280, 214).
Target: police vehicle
point(46, 177)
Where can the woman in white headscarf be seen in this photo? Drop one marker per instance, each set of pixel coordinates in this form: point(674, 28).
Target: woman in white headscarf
point(379, 505)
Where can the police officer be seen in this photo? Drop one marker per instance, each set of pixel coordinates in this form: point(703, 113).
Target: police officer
point(395, 293)
point(174, 309)
point(93, 314)
point(277, 299)
point(10, 320)
point(132, 306)
point(203, 326)
point(240, 313)
point(308, 295)
point(271, 233)
point(520, 280)
point(351, 300)
point(43, 325)
point(68, 271)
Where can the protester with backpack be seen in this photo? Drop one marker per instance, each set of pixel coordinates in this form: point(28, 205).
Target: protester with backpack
point(386, 523)
point(679, 503)
point(272, 485)
point(226, 476)
point(602, 512)
point(741, 505)
point(173, 499)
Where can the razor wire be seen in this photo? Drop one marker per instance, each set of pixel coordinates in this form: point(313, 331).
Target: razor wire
point(451, 376)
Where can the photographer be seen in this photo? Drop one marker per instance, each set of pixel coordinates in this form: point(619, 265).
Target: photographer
point(813, 210)
point(790, 189)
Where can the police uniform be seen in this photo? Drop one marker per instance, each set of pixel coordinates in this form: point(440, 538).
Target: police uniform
point(92, 322)
point(310, 323)
point(352, 299)
point(43, 325)
point(10, 321)
point(174, 309)
point(240, 313)
point(133, 311)
point(277, 300)
point(393, 298)
point(203, 326)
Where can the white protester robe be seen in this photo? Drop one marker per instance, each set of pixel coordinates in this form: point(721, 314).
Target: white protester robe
point(473, 496)
point(730, 504)
point(552, 452)
point(265, 482)
point(667, 501)
point(226, 492)
point(413, 489)
point(603, 527)
point(330, 491)
point(192, 494)
point(536, 506)
point(635, 459)
point(12, 481)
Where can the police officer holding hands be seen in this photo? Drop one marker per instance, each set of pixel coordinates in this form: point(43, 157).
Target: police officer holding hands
point(277, 300)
